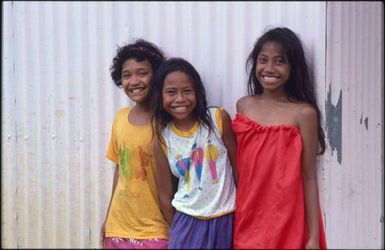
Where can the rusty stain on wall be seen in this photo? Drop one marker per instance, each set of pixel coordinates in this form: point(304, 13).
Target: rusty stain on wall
point(334, 123)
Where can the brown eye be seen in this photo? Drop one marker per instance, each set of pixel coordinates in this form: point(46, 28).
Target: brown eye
point(261, 60)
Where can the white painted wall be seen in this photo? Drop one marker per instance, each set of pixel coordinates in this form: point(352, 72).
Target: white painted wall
point(58, 102)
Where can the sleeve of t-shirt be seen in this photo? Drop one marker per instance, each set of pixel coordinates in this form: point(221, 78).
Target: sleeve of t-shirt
point(112, 149)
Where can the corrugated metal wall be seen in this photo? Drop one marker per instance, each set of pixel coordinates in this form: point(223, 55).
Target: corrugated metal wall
point(353, 172)
point(58, 103)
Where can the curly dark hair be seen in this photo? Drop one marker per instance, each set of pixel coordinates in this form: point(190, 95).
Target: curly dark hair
point(300, 86)
point(140, 50)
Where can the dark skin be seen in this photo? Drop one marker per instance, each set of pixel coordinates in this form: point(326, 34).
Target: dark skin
point(164, 183)
point(230, 141)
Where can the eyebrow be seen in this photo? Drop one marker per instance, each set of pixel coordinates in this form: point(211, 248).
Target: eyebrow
point(138, 69)
point(280, 55)
point(182, 88)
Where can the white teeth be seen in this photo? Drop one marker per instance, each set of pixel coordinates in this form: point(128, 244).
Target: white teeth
point(270, 77)
point(136, 90)
point(180, 108)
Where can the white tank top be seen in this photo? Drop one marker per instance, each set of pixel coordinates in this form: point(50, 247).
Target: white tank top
point(206, 186)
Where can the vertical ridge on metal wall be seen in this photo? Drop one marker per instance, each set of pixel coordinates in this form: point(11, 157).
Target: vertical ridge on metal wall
point(8, 131)
point(354, 125)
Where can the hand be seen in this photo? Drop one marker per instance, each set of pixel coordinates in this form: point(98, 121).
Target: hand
point(312, 244)
point(102, 235)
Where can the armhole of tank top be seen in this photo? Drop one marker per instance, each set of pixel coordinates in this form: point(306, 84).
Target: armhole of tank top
point(217, 119)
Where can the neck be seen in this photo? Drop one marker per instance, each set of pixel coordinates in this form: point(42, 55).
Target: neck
point(274, 95)
point(184, 125)
point(140, 115)
point(141, 107)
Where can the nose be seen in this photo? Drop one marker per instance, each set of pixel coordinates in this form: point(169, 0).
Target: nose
point(134, 80)
point(179, 97)
point(269, 66)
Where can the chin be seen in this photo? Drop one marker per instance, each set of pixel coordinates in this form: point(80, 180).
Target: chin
point(137, 99)
point(270, 86)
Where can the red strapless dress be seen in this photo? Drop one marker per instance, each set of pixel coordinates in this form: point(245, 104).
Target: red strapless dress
point(270, 208)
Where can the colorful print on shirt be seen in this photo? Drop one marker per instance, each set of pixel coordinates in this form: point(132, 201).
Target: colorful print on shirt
point(199, 159)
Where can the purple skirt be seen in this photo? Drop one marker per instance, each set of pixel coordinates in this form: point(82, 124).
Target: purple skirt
point(188, 232)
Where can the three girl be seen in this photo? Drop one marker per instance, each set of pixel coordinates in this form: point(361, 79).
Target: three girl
point(279, 134)
point(278, 129)
point(195, 144)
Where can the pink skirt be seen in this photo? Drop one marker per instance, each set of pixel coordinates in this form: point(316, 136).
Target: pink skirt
point(124, 243)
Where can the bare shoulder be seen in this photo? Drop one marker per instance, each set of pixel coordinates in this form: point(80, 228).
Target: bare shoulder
point(225, 114)
point(241, 102)
point(244, 102)
point(306, 114)
point(307, 110)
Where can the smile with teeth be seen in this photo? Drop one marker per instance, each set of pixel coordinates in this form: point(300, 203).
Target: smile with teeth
point(270, 78)
point(180, 108)
point(136, 90)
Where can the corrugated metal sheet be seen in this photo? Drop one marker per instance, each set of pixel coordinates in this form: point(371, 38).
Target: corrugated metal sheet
point(353, 173)
point(59, 101)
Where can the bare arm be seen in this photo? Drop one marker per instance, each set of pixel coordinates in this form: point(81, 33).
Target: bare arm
point(230, 142)
point(103, 229)
point(163, 182)
point(309, 132)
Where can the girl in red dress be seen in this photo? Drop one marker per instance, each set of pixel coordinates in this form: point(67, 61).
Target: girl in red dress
point(279, 134)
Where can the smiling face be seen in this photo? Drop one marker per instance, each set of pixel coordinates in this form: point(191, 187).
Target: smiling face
point(273, 68)
point(136, 79)
point(179, 98)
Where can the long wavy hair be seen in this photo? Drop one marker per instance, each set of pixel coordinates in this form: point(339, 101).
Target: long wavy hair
point(299, 86)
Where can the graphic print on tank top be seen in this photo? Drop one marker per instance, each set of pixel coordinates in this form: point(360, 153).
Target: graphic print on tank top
point(197, 158)
point(212, 156)
point(183, 166)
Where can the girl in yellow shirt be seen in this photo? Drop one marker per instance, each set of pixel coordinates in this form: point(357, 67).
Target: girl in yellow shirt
point(134, 219)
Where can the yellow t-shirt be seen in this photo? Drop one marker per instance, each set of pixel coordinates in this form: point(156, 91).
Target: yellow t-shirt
point(135, 211)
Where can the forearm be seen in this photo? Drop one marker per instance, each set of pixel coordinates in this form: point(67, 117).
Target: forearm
point(164, 183)
point(309, 132)
point(114, 183)
point(312, 207)
point(167, 209)
point(230, 141)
